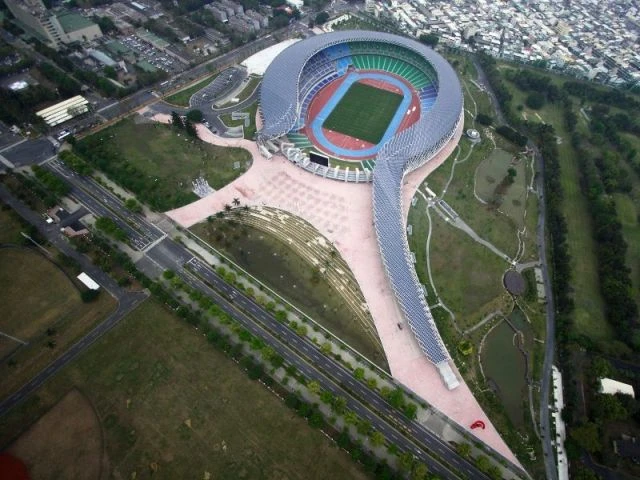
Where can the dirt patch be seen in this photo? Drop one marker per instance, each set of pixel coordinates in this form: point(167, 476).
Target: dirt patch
point(77, 453)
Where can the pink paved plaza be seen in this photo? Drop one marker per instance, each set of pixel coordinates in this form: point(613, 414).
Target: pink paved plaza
point(342, 212)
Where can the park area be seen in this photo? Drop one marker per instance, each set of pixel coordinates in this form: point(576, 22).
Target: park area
point(170, 406)
point(293, 277)
point(158, 163)
point(364, 112)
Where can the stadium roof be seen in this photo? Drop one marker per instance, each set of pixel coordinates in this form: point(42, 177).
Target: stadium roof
point(280, 103)
point(258, 62)
point(64, 111)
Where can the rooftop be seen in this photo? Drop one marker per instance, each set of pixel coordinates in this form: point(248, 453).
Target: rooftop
point(72, 22)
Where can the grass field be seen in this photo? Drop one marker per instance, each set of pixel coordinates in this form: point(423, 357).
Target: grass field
point(36, 296)
point(589, 316)
point(11, 226)
point(173, 407)
point(364, 112)
point(250, 131)
point(628, 214)
point(182, 97)
point(489, 176)
point(167, 162)
point(292, 277)
point(77, 454)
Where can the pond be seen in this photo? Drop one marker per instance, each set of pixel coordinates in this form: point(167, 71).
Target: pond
point(504, 366)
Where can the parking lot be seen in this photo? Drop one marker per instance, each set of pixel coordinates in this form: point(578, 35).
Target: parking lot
point(152, 55)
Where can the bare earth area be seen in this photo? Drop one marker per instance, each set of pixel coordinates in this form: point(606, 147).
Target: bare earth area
point(64, 443)
point(343, 213)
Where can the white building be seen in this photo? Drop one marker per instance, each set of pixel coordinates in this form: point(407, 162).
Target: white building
point(611, 387)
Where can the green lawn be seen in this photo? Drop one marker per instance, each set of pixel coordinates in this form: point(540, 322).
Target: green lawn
point(182, 97)
point(364, 112)
point(250, 131)
point(40, 304)
point(158, 162)
point(173, 407)
point(589, 314)
point(279, 266)
point(628, 214)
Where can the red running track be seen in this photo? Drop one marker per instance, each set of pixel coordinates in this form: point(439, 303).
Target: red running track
point(346, 141)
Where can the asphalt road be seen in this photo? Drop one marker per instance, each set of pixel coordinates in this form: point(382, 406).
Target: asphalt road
point(168, 254)
point(313, 364)
point(127, 301)
point(30, 152)
point(102, 203)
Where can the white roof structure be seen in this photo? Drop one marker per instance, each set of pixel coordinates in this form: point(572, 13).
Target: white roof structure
point(611, 387)
point(19, 85)
point(89, 282)
point(257, 63)
point(64, 111)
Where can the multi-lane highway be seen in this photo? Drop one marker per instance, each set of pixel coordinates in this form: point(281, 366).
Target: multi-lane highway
point(102, 203)
point(299, 351)
point(127, 301)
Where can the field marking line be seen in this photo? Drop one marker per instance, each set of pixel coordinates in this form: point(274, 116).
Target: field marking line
point(13, 338)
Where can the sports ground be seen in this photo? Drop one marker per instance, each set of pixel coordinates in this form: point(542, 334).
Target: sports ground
point(353, 117)
point(364, 112)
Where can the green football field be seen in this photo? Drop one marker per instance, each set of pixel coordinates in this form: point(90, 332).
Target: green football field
point(364, 112)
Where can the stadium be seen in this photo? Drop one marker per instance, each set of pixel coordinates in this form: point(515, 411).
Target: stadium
point(358, 106)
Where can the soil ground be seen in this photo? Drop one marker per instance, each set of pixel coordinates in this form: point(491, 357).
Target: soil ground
point(66, 442)
point(173, 407)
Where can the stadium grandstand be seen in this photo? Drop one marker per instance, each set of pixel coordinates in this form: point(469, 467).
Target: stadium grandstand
point(303, 70)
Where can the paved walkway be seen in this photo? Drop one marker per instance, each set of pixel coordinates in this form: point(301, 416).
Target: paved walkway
point(342, 212)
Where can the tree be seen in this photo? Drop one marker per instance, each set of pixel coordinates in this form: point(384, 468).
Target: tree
point(326, 397)
point(326, 348)
point(587, 436)
point(88, 296)
point(236, 202)
point(339, 405)
point(314, 387)
point(405, 461)
point(410, 410)
point(376, 438)
point(484, 119)
point(195, 116)
point(358, 373)
point(176, 120)
point(535, 100)
point(364, 427)
point(315, 419)
point(133, 205)
point(463, 449)
point(483, 463)
point(110, 72)
point(419, 471)
point(351, 418)
point(190, 128)
point(321, 18)
point(608, 407)
point(430, 39)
